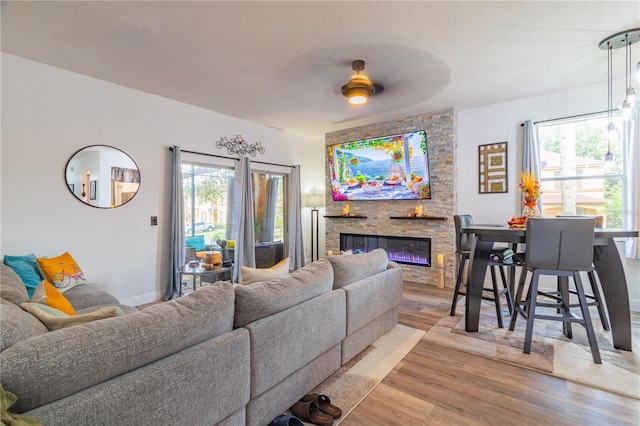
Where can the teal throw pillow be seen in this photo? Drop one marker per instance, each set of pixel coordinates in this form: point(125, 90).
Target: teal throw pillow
point(27, 269)
point(196, 242)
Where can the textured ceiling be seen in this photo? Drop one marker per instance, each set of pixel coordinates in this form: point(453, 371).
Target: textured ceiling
point(282, 64)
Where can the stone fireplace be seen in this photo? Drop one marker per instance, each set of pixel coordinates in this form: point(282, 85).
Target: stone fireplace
point(389, 218)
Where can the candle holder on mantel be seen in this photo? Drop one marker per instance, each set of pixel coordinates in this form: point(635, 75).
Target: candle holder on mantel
point(417, 212)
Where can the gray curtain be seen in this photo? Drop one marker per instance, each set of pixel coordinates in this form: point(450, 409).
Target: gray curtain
point(269, 219)
point(244, 235)
point(177, 227)
point(296, 246)
point(632, 185)
point(231, 217)
point(531, 154)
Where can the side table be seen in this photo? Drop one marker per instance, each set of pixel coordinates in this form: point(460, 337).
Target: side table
point(199, 271)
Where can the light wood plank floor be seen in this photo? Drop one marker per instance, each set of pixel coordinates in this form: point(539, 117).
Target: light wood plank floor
point(435, 385)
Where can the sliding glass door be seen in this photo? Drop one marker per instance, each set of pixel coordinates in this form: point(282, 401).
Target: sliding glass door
point(209, 216)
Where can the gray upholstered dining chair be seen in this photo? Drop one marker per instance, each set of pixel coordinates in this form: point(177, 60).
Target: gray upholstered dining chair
point(595, 297)
point(463, 252)
point(564, 248)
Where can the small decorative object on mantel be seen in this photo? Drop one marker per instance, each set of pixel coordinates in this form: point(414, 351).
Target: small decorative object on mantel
point(239, 146)
point(417, 212)
point(345, 211)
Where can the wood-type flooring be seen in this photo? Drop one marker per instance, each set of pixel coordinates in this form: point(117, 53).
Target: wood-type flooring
point(435, 385)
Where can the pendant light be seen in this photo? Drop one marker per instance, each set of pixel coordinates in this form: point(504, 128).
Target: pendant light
point(628, 109)
point(608, 165)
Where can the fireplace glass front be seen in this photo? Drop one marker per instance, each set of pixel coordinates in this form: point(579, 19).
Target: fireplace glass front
point(408, 250)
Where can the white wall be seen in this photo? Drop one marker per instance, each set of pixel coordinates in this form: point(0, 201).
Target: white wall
point(47, 115)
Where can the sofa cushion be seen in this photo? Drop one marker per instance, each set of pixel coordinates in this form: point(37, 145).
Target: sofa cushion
point(89, 296)
point(17, 325)
point(349, 269)
point(287, 341)
point(27, 269)
point(253, 275)
point(100, 350)
point(258, 300)
point(62, 271)
point(55, 319)
point(12, 288)
point(47, 294)
point(371, 297)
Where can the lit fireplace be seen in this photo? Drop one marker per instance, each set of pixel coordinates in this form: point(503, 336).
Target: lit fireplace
point(409, 250)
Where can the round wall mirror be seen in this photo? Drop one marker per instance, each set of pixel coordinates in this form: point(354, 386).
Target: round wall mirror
point(102, 176)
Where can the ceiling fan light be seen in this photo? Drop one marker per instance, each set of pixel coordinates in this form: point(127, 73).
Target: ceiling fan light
point(358, 90)
point(357, 99)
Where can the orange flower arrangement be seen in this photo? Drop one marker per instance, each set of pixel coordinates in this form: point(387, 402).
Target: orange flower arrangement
point(530, 187)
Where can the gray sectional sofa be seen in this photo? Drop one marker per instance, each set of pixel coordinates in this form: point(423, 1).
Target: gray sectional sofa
point(225, 354)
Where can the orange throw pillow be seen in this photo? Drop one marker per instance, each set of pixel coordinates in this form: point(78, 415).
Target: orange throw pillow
point(48, 295)
point(63, 272)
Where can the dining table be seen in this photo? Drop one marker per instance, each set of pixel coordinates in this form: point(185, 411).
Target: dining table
point(606, 259)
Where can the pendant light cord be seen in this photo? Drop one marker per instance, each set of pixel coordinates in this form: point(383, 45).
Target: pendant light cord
point(627, 58)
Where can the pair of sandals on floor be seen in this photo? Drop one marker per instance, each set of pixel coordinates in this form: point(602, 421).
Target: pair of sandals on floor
point(313, 408)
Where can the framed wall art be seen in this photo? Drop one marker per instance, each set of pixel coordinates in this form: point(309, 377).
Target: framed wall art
point(492, 168)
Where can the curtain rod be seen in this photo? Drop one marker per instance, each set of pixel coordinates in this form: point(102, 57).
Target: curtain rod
point(230, 158)
point(571, 116)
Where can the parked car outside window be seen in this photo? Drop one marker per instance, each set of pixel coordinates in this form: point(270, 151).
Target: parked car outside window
point(200, 227)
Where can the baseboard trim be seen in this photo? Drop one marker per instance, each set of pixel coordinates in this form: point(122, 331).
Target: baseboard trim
point(142, 299)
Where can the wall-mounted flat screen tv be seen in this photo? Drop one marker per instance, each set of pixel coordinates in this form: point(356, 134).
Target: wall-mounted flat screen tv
point(384, 168)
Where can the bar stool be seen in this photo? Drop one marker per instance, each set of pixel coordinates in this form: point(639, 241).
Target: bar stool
point(463, 252)
point(560, 247)
point(596, 295)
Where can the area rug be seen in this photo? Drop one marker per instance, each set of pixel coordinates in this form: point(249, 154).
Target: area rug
point(348, 386)
point(551, 351)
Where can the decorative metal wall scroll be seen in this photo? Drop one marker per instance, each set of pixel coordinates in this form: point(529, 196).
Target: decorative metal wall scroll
point(239, 146)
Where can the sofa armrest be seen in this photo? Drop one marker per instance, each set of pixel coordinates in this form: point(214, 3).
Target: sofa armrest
point(51, 366)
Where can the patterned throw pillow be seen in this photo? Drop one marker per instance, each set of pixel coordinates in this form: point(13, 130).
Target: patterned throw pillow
point(254, 275)
point(63, 272)
point(27, 269)
point(47, 294)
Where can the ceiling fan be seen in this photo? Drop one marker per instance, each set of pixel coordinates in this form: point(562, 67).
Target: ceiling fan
point(360, 87)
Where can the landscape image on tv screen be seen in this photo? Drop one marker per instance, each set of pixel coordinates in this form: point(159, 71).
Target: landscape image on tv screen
point(385, 168)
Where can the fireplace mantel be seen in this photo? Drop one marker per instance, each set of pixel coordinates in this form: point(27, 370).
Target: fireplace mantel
point(419, 217)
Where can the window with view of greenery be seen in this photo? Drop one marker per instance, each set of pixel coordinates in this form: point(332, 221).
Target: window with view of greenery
point(208, 203)
point(572, 179)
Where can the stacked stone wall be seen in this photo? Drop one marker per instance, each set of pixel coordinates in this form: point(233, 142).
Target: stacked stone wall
point(440, 127)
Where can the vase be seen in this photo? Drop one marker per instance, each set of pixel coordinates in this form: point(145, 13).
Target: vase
point(531, 211)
